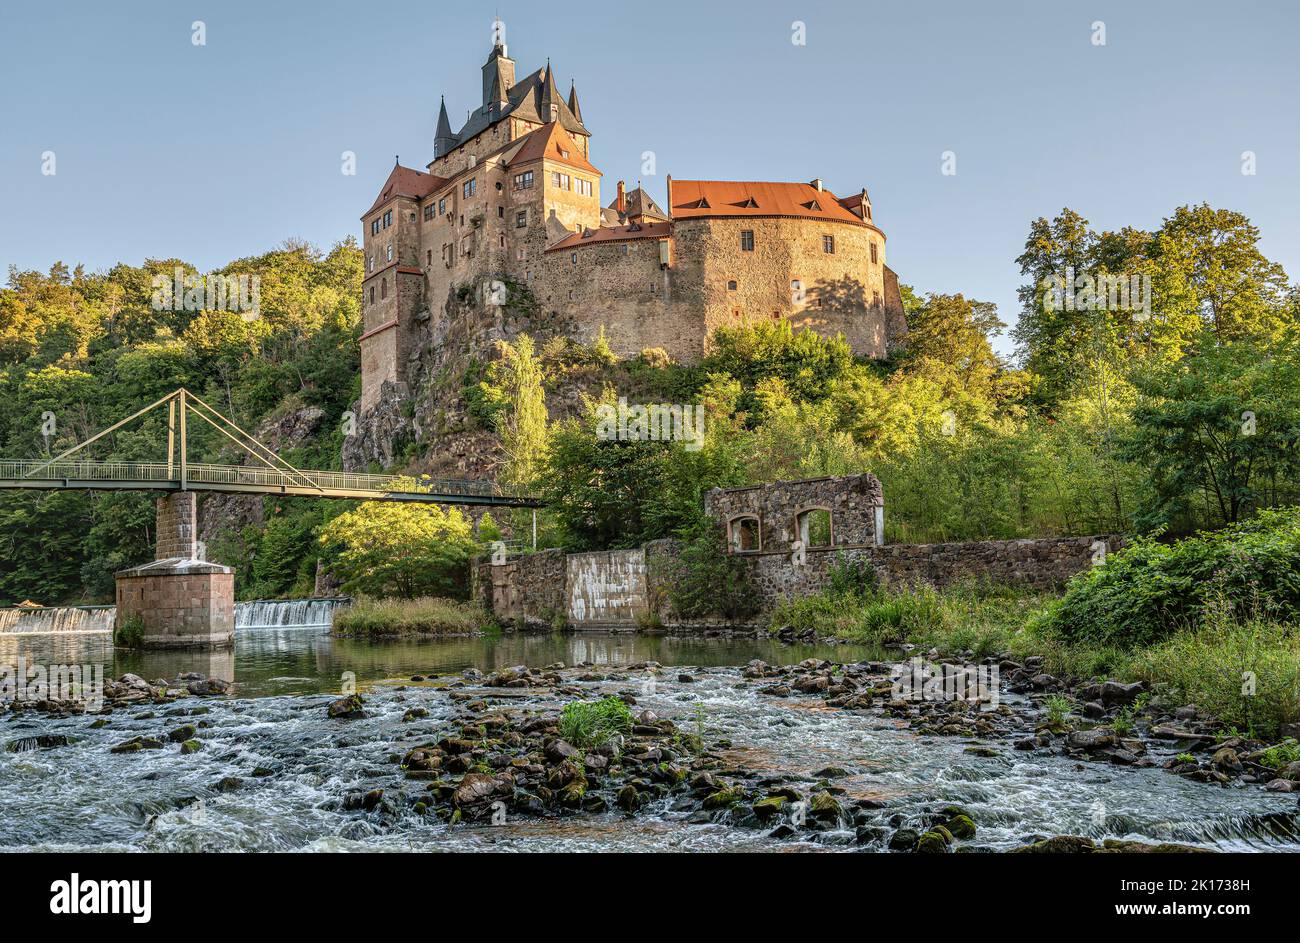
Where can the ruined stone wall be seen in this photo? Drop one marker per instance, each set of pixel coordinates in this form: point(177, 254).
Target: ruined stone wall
point(852, 501)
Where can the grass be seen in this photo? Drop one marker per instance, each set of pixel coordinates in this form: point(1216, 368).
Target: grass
point(593, 723)
point(376, 618)
point(1243, 670)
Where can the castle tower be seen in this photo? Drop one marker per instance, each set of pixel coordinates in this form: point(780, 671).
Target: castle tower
point(498, 79)
point(443, 140)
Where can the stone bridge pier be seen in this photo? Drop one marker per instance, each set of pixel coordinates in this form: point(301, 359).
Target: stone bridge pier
point(178, 600)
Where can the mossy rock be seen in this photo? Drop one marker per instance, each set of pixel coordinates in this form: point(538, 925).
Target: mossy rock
point(629, 800)
point(825, 806)
point(772, 806)
point(571, 796)
point(182, 733)
point(724, 798)
point(933, 842)
point(190, 746)
point(961, 826)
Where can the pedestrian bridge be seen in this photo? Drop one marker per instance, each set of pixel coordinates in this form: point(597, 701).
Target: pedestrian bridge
point(270, 475)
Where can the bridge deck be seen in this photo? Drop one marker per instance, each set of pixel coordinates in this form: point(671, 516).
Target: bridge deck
point(242, 479)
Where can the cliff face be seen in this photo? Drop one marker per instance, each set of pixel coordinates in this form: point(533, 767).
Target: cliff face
point(423, 426)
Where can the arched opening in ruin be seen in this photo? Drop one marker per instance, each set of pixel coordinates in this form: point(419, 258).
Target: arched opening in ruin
point(814, 527)
point(744, 534)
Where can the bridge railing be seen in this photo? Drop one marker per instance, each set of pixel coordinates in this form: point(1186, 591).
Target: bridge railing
point(204, 473)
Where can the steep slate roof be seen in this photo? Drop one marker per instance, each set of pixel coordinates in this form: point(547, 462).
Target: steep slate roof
point(529, 98)
point(638, 202)
point(403, 181)
point(552, 142)
point(607, 234)
point(694, 199)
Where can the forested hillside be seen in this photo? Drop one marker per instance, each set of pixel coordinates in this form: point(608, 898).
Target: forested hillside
point(1175, 410)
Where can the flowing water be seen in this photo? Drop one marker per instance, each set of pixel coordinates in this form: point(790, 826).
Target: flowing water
point(257, 614)
point(81, 796)
point(50, 619)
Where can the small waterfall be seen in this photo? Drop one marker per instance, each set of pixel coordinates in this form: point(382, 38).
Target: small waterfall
point(285, 613)
point(57, 619)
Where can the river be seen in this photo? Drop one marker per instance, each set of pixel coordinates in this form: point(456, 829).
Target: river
point(295, 764)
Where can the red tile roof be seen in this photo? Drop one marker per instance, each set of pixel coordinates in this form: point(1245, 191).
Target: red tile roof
point(403, 181)
point(553, 143)
point(608, 234)
point(693, 199)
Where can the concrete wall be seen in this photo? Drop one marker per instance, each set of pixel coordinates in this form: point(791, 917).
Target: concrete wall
point(606, 588)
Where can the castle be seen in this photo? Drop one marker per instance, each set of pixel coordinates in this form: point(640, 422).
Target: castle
point(512, 201)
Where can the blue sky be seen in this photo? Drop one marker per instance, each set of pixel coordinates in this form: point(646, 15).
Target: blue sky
point(214, 152)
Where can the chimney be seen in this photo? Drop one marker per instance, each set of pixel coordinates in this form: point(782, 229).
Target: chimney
point(621, 205)
point(816, 184)
point(669, 208)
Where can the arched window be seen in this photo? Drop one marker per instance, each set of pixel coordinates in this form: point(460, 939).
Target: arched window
point(813, 526)
point(383, 288)
point(744, 534)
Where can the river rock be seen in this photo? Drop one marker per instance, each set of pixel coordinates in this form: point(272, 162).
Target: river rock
point(473, 788)
point(1099, 738)
point(557, 751)
point(349, 706)
point(1113, 692)
point(208, 687)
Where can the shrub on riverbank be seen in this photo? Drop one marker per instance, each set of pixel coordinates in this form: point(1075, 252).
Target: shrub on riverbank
point(1148, 591)
point(424, 616)
point(1246, 673)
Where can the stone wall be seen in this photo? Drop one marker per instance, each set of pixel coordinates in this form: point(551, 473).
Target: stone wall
point(528, 589)
point(851, 500)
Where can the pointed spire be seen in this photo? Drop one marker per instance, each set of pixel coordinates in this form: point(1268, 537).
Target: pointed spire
point(548, 94)
point(573, 100)
point(443, 140)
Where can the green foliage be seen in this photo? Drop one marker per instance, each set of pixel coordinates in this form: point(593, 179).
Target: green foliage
point(1280, 755)
point(91, 349)
point(1058, 711)
point(706, 581)
point(1245, 672)
point(130, 634)
point(376, 618)
point(592, 723)
point(384, 548)
point(1149, 590)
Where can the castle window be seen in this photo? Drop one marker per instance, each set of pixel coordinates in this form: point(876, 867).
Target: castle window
point(570, 294)
point(469, 188)
point(584, 186)
point(428, 258)
point(383, 288)
point(374, 226)
point(442, 206)
point(875, 299)
point(521, 253)
point(503, 241)
point(560, 181)
point(731, 286)
point(428, 211)
point(372, 294)
point(521, 219)
point(828, 245)
point(868, 212)
point(412, 215)
point(623, 248)
point(501, 212)
point(747, 240)
point(370, 262)
point(743, 534)
point(388, 219)
point(873, 253)
point(389, 252)
point(573, 257)
point(524, 180)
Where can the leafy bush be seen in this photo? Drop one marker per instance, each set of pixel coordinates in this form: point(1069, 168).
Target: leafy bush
point(130, 634)
point(424, 616)
point(705, 580)
point(1149, 590)
point(1246, 673)
point(592, 723)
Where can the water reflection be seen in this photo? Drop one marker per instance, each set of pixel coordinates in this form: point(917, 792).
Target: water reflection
point(309, 660)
